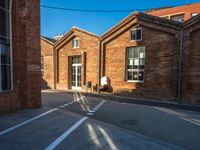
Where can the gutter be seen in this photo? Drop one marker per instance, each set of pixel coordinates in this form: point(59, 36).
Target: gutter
point(180, 67)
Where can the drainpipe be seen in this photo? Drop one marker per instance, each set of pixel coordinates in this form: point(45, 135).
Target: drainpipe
point(180, 66)
point(99, 66)
point(54, 67)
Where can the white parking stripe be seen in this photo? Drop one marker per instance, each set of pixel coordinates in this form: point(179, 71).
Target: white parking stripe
point(65, 134)
point(61, 138)
point(27, 121)
point(179, 115)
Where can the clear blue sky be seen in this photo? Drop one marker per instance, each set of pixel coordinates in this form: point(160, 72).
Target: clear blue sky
point(59, 21)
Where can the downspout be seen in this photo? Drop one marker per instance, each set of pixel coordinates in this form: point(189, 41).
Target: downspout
point(180, 66)
point(99, 66)
point(54, 67)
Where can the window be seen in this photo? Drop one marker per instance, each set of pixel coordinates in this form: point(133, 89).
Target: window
point(136, 34)
point(194, 14)
point(42, 66)
point(135, 61)
point(5, 45)
point(179, 18)
point(75, 43)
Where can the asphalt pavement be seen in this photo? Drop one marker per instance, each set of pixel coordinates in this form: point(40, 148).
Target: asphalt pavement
point(77, 122)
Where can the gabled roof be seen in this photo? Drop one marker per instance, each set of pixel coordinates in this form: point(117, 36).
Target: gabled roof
point(71, 31)
point(49, 40)
point(142, 16)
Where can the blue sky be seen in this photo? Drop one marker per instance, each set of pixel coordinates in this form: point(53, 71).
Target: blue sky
point(59, 21)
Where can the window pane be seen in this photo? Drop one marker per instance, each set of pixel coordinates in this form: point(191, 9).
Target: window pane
point(5, 4)
point(135, 75)
point(130, 76)
point(77, 43)
point(139, 34)
point(130, 64)
point(130, 53)
point(6, 77)
point(136, 52)
point(141, 75)
point(4, 23)
point(5, 53)
point(133, 35)
point(135, 63)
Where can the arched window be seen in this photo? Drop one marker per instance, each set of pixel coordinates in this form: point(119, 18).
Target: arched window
point(5, 45)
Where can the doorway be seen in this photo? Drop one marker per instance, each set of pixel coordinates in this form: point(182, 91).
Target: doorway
point(76, 73)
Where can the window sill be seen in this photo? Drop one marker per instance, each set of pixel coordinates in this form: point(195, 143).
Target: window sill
point(135, 40)
point(131, 81)
point(75, 47)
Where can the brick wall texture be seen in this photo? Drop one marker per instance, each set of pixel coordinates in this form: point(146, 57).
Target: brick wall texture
point(47, 54)
point(26, 58)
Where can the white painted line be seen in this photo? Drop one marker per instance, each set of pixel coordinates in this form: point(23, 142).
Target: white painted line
point(66, 104)
point(89, 114)
point(61, 106)
point(178, 115)
point(26, 122)
point(92, 111)
point(95, 109)
point(191, 121)
point(65, 134)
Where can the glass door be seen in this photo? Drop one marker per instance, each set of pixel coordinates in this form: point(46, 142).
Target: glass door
point(76, 73)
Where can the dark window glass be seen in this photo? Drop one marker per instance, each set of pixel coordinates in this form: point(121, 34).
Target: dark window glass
point(136, 34)
point(5, 58)
point(5, 53)
point(5, 77)
point(5, 4)
point(4, 24)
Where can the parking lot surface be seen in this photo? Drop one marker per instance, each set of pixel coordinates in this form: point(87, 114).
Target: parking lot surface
point(76, 122)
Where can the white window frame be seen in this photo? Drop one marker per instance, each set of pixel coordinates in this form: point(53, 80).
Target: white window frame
point(11, 50)
point(136, 34)
point(132, 70)
point(75, 39)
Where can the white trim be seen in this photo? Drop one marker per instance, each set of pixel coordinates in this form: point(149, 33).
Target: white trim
point(75, 39)
point(135, 29)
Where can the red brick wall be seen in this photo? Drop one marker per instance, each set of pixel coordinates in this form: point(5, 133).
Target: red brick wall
point(88, 46)
point(161, 61)
point(191, 64)
point(47, 53)
point(26, 58)
point(186, 9)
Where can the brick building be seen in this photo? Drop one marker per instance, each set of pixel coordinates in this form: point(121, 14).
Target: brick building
point(47, 62)
point(180, 13)
point(76, 56)
point(20, 55)
point(143, 55)
point(191, 60)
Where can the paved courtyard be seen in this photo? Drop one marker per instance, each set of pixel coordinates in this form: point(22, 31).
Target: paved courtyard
point(78, 122)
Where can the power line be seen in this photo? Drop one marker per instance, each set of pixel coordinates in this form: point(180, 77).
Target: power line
point(94, 10)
